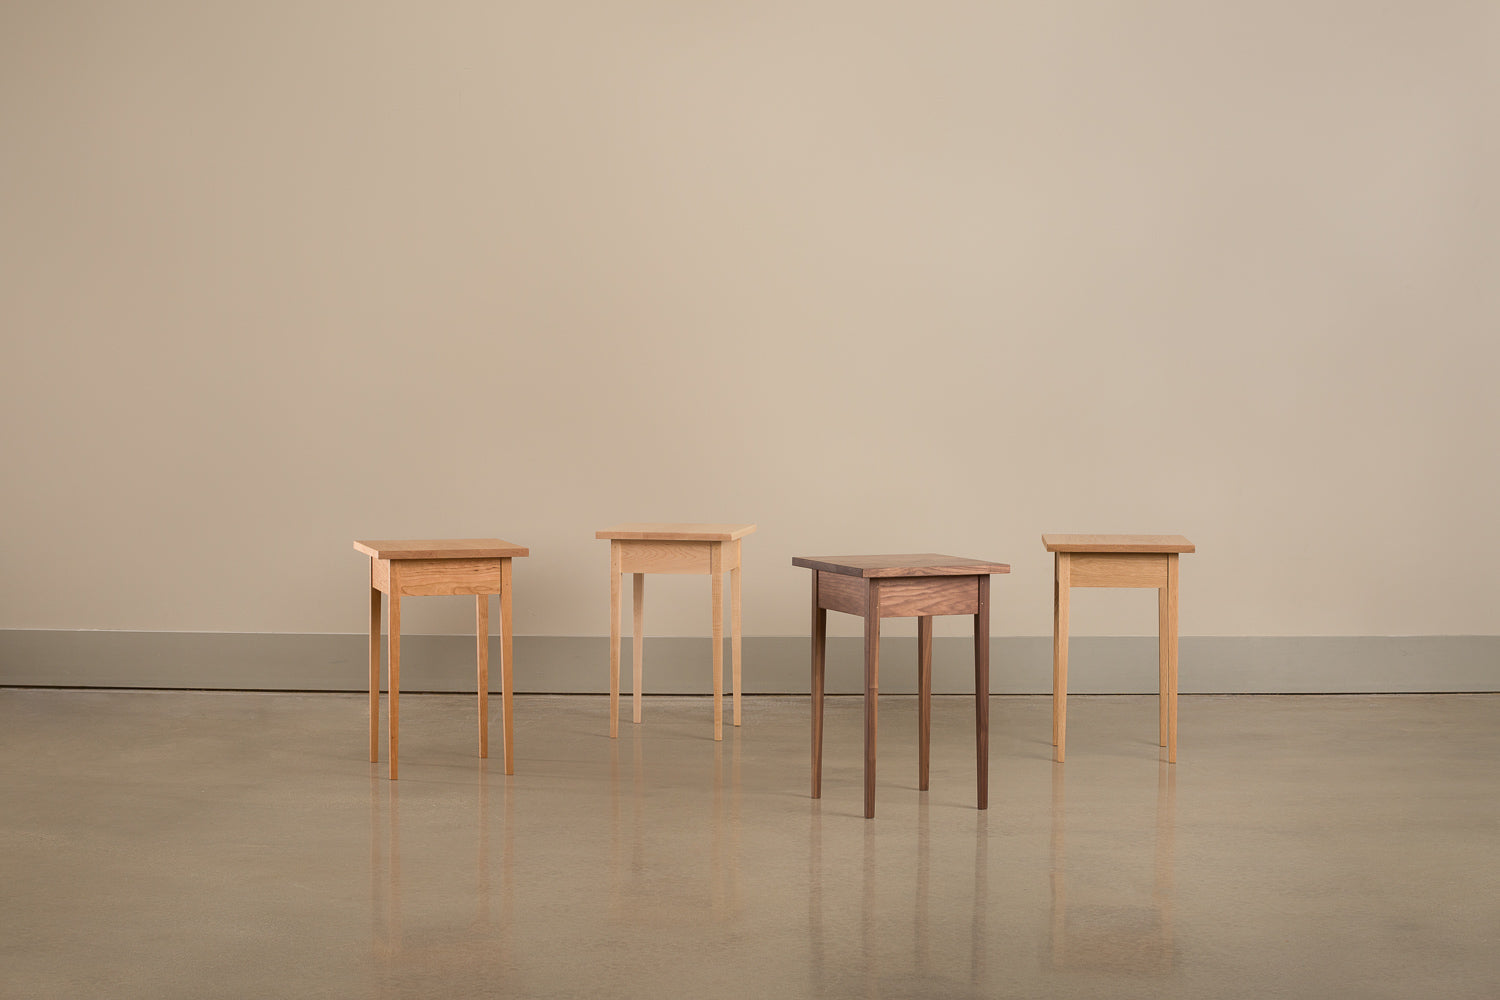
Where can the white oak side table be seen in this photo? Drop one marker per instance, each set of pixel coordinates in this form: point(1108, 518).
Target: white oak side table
point(427, 567)
point(1117, 561)
point(712, 549)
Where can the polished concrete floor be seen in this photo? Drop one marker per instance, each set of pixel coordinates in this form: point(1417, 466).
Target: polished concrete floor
point(193, 844)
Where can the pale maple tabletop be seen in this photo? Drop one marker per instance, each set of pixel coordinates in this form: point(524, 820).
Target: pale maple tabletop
point(675, 532)
point(1117, 543)
point(442, 548)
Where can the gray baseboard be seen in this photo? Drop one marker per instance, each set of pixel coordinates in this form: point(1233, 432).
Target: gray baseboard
point(773, 665)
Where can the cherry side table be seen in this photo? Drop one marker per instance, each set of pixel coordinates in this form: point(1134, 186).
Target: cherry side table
point(712, 549)
point(896, 586)
point(425, 567)
point(1117, 561)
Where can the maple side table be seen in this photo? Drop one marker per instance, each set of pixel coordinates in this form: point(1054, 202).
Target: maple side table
point(895, 586)
point(712, 549)
point(425, 567)
point(1117, 561)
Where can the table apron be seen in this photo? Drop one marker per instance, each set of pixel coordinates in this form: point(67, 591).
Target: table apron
point(662, 556)
point(902, 597)
point(1118, 569)
point(437, 577)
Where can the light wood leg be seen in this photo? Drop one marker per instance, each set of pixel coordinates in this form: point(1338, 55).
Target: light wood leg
point(924, 699)
point(638, 637)
point(1172, 658)
point(716, 575)
point(872, 691)
point(1164, 657)
point(482, 646)
point(982, 691)
point(614, 638)
point(507, 686)
point(393, 700)
point(819, 644)
point(1056, 576)
point(374, 673)
point(734, 636)
point(1060, 656)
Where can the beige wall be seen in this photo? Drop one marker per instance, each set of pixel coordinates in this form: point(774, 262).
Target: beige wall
point(878, 277)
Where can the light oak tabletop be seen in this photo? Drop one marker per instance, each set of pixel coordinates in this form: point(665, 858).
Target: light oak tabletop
point(1117, 543)
point(676, 532)
point(907, 564)
point(442, 548)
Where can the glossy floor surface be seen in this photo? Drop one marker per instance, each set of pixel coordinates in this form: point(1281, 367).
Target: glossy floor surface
point(240, 845)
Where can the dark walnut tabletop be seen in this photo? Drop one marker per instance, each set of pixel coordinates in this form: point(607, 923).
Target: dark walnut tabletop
point(905, 564)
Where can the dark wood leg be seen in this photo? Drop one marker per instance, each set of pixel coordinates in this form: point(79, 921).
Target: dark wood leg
point(924, 698)
point(982, 690)
point(819, 645)
point(375, 676)
point(872, 690)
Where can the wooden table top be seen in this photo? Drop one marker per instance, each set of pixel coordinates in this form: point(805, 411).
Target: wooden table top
point(907, 564)
point(1117, 543)
point(442, 548)
point(669, 532)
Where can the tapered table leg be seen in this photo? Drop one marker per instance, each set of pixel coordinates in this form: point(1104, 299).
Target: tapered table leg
point(734, 633)
point(1172, 658)
point(1164, 665)
point(716, 585)
point(507, 678)
point(482, 645)
point(924, 699)
point(614, 639)
point(872, 691)
point(819, 644)
point(1060, 656)
point(393, 700)
point(982, 690)
point(638, 641)
point(374, 674)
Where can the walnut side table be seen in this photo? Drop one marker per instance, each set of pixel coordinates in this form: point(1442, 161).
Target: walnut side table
point(424, 567)
point(895, 586)
point(1117, 561)
point(712, 549)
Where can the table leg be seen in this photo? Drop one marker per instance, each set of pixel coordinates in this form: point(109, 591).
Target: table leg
point(393, 700)
point(1063, 580)
point(734, 635)
point(1164, 658)
point(872, 690)
point(1172, 658)
point(716, 575)
point(507, 678)
point(638, 640)
point(374, 673)
point(482, 649)
point(924, 699)
point(819, 645)
point(614, 638)
point(982, 690)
